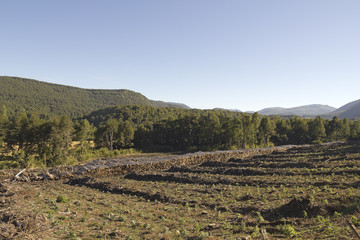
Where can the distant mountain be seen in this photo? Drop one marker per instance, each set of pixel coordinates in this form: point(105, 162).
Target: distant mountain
point(54, 99)
point(307, 110)
point(350, 110)
point(169, 104)
point(224, 109)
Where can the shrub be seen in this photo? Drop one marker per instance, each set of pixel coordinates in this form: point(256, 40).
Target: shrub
point(61, 199)
point(260, 218)
point(287, 230)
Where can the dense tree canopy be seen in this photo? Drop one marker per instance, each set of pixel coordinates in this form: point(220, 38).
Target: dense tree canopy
point(53, 141)
point(54, 99)
point(171, 129)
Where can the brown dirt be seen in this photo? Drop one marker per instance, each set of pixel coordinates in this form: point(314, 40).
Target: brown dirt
point(16, 222)
point(294, 209)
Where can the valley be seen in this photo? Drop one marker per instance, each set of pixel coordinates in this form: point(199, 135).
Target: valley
point(126, 167)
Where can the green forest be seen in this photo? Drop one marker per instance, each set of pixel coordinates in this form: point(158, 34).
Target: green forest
point(28, 139)
point(54, 99)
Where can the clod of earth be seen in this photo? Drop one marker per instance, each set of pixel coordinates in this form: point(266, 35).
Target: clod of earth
point(295, 208)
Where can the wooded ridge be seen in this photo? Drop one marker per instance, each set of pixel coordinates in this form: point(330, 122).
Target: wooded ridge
point(54, 99)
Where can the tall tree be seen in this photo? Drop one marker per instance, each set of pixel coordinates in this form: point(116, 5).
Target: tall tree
point(299, 131)
point(345, 129)
point(142, 137)
point(60, 139)
point(125, 135)
point(248, 140)
point(338, 129)
point(317, 132)
point(255, 122)
point(3, 125)
point(355, 129)
point(106, 134)
point(282, 131)
point(84, 131)
point(209, 129)
point(17, 131)
point(266, 130)
point(232, 134)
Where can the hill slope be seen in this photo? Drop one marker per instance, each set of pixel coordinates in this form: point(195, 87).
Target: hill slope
point(47, 98)
point(350, 110)
point(307, 110)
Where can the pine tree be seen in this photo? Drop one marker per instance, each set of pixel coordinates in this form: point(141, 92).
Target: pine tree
point(317, 130)
point(3, 126)
point(355, 129)
point(110, 130)
point(125, 135)
point(299, 131)
point(282, 131)
point(59, 139)
point(266, 130)
point(83, 133)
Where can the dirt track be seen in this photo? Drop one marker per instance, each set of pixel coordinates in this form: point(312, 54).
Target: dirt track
point(121, 166)
point(125, 165)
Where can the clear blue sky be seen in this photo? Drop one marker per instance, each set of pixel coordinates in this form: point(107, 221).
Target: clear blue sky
point(237, 54)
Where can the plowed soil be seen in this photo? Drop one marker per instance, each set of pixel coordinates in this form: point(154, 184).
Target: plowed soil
point(304, 192)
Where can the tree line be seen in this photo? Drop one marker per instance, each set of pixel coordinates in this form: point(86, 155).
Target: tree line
point(29, 139)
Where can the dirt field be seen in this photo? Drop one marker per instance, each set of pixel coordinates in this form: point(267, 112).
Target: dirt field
point(309, 192)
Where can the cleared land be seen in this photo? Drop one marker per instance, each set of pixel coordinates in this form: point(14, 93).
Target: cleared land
point(308, 192)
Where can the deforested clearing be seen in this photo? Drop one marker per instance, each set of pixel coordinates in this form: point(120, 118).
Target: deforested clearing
point(303, 192)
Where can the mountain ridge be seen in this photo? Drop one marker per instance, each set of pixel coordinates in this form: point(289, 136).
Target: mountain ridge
point(350, 110)
point(305, 110)
point(18, 93)
point(46, 98)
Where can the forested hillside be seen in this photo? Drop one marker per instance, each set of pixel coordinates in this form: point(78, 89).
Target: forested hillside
point(53, 99)
point(79, 127)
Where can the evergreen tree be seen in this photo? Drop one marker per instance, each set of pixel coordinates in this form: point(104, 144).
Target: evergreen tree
point(17, 131)
point(255, 123)
point(106, 134)
point(282, 131)
point(299, 131)
point(355, 129)
point(337, 129)
point(232, 135)
point(84, 131)
point(125, 135)
point(266, 130)
point(345, 129)
point(317, 130)
point(3, 126)
point(209, 129)
point(59, 139)
point(186, 130)
point(142, 138)
point(248, 132)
